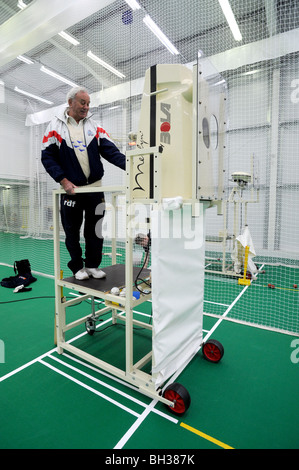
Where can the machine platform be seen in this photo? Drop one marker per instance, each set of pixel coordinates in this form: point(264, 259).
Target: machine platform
point(115, 277)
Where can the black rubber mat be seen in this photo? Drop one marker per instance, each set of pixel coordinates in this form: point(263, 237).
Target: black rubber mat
point(115, 277)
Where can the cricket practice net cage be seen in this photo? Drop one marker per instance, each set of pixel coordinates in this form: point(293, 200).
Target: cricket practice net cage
point(261, 164)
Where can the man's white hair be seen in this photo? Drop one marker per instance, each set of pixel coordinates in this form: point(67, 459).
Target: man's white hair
point(72, 93)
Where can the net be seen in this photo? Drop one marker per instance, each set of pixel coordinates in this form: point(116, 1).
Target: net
point(261, 75)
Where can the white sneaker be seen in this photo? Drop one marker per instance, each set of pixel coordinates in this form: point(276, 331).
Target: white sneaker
point(95, 272)
point(82, 275)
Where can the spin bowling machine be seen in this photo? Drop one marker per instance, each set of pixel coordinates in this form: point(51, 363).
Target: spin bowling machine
point(171, 173)
point(182, 121)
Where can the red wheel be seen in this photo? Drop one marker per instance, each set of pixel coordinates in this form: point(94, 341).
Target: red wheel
point(213, 350)
point(179, 396)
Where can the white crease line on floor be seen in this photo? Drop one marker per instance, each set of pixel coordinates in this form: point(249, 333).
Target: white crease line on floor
point(24, 366)
point(110, 387)
point(142, 417)
point(215, 326)
point(99, 371)
point(96, 392)
point(215, 303)
point(116, 379)
point(135, 425)
point(154, 402)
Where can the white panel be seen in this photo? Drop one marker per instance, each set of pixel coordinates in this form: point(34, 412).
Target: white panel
point(270, 48)
point(290, 92)
point(248, 101)
point(289, 224)
point(289, 173)
point(245, 143)
point(177, 288)
point(15, 147)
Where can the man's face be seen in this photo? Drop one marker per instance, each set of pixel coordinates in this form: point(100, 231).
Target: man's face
point(79, 106)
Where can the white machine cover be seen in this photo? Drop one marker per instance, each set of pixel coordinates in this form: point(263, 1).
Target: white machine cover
point(177, 289)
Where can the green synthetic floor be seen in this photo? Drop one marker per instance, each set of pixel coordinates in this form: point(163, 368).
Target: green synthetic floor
point(248, 400)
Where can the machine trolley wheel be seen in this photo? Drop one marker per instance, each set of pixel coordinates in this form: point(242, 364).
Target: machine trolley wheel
point(180, 396)
point(90, 327)
point(213, 350)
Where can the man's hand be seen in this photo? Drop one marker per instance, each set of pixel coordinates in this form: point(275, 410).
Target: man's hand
point(68, 186)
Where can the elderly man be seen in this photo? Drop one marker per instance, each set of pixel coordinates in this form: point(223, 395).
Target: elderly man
point(72, 148)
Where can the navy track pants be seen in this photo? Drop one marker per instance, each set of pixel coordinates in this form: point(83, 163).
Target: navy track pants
point(89, 207)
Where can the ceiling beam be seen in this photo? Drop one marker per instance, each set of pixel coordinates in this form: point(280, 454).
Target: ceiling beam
point(101, 80)
point(271, 15)
point(270, 48)
point(40, 21)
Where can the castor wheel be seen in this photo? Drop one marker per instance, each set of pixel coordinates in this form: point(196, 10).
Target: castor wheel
point(212, 350)
point(90, 327)
point(179, 395)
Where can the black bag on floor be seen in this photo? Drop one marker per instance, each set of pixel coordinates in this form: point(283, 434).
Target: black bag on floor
point(23, 275)
point(22, 267)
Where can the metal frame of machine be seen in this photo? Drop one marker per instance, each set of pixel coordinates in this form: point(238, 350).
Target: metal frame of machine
point(174, 396)
point(121, 307)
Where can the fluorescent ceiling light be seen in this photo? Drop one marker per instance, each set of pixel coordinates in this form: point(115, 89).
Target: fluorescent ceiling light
point(160, 35)
point(133, 4)
point(25, 59)
point(59, 77)
point(104, 64)
point(21, 4)
point(230, 18)
point(251, 72)
point(69, 38)
point(219, 83)
point(32, 96)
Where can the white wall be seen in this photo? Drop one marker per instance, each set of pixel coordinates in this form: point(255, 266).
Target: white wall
point(266, 126)
point(14, 142)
